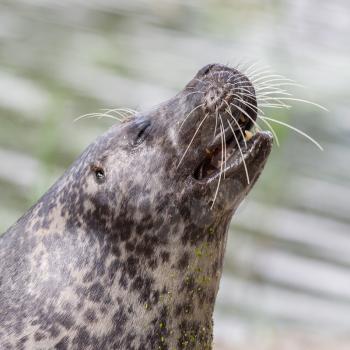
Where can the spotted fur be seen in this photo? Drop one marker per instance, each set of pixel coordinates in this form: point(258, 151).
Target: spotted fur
point(131, 260)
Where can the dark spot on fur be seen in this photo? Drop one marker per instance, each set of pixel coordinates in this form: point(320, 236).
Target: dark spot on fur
point(131, 266)
point(90, 315)
point(124, 230)
point(62, 344)
point(119, 321)
point(137, 283)
point(96, 292)
point(183, 262)
point(39, 336)
point(165, 256)
point(65, 320)
point(54, 331)
point(123, 282)
point(82, 339)
point(130, 246)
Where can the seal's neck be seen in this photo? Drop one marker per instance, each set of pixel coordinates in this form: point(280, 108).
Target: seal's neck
point(176, 311)
point(132, 285)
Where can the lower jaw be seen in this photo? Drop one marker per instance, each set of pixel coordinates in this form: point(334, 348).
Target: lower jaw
point(237, 159)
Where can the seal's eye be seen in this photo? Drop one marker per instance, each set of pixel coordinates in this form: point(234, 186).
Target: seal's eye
point(99, 173)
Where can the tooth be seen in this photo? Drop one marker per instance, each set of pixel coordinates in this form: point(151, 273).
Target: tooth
point(248, 135)
point(208, 152)
point(241, 118)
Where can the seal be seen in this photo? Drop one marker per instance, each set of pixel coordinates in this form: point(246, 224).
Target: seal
point(126, 250)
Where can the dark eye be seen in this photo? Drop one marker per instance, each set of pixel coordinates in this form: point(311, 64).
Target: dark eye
point(99, 173)
point(142, 131)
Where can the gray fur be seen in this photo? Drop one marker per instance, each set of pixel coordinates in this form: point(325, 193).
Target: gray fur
point(132, 260)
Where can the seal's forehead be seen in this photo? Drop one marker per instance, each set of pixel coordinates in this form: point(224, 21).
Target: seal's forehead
point(126, 135)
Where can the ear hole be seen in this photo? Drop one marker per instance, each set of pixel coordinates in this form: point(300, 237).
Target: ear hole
point(99, 173)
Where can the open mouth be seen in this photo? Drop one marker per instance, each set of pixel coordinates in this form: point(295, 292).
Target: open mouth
point(237, 147)
point(232, 151)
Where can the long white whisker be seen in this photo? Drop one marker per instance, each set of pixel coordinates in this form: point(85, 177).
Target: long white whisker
point(271, 76)
point(271, 105)
point(272, 93)
point(293, 128)
point(96, 115)
point(195, 92)
point(247, 115)
point(299, 100)
point(268, 99)
point(123, 115)
point(265, 82)
point(126, 110)
point(236, 122)
point(264, 87)
point(201, 105)
point(254, 108)
point(221, 165)
point(194, 135)
point(216, 122)
point(240, 151)
point(249, 73)
point(225, 151)
point(258, 74)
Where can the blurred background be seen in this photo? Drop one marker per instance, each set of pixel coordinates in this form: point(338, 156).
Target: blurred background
point(286, 283)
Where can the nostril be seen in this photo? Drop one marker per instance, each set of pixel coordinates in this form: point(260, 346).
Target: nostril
point(205, 70)
point(208, 69)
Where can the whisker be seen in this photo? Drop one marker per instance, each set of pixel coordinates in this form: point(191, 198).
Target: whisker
point(234, 119)
point(264, 82)
point(247, 115)
point(280, 84)
point(194, 92)
point(123, 115)
point(293, 128)
point(274, 76)
point(221, 165)
point(255, 70)
point(201, 81)
point(259, 99)
point(273, 92)
point(271, 105)
point(254, 108)
point(96, 115)
point(225, 150)
point(239, 86)
point(194, 135)
point(267, 99)
point(300, 100)
point(195, 108)
point(235, 79)
point(258, 74)
point(216, 122)
point(249, 68)
point(127, 110)
point(240, 151)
